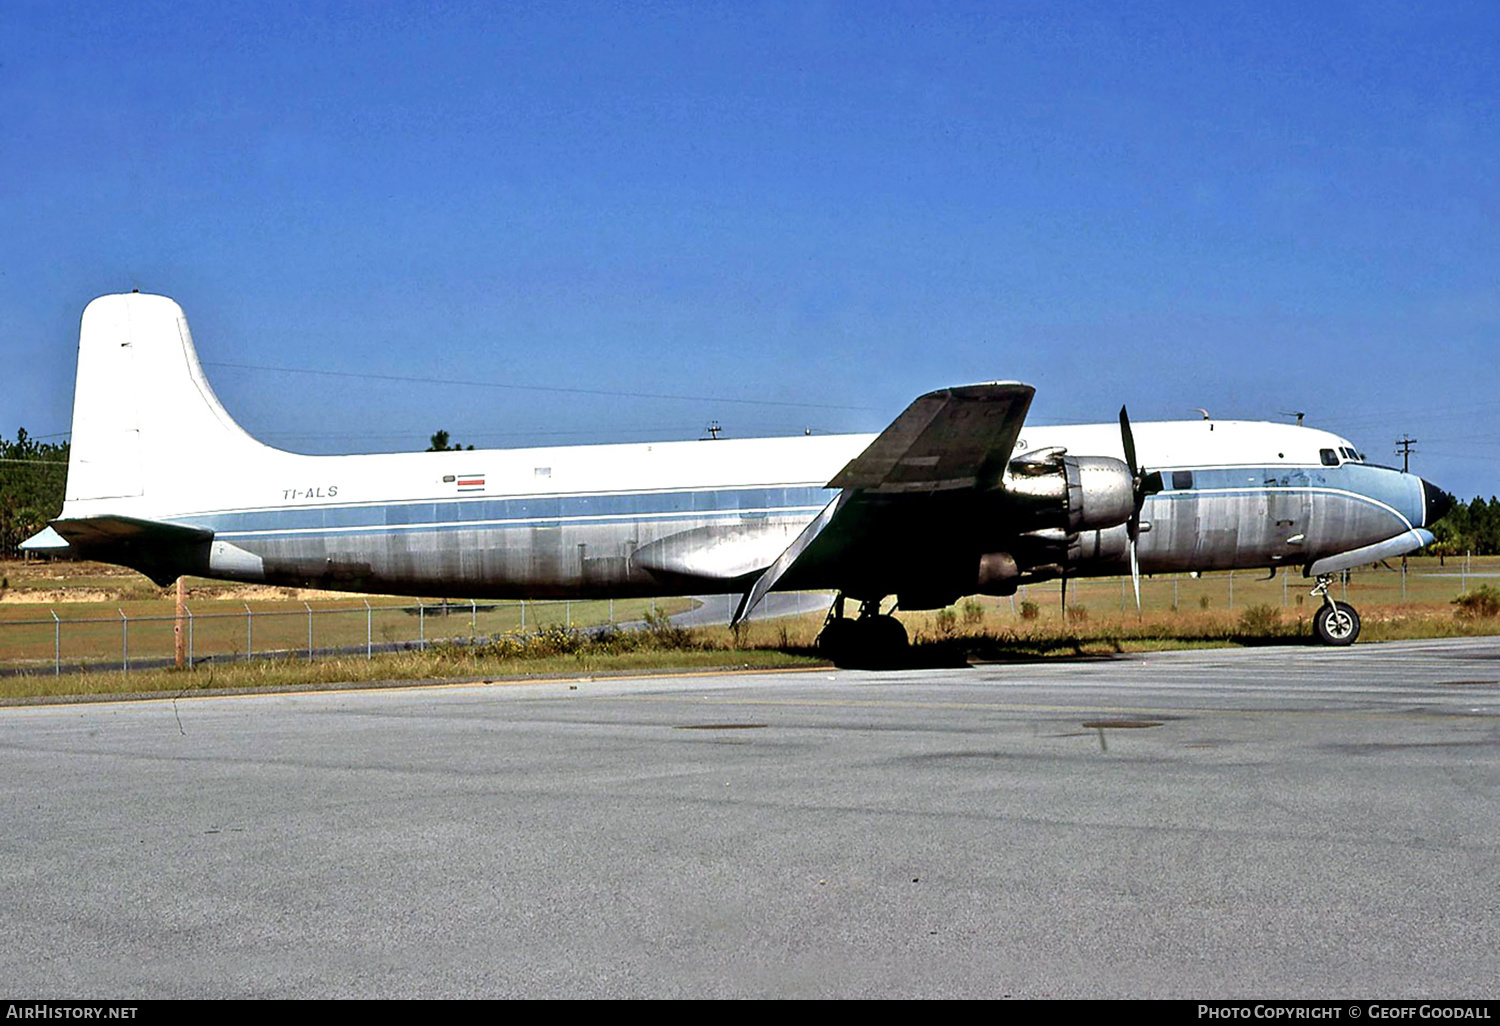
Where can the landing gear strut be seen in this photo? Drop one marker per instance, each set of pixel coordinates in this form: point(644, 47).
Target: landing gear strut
point(1336, 623)
point(871, 640)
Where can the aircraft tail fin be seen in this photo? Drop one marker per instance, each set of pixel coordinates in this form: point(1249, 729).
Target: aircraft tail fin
point(144, 415)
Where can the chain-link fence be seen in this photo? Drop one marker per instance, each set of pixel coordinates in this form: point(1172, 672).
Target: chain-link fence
point(146, 633)
point(149, 634)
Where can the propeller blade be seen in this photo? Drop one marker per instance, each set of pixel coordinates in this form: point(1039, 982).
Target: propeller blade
point(1128, 437)
point(1142, 486)
point(1135, 575)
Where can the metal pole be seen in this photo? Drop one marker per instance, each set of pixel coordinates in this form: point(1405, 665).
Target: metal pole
point(309, 631)
point(422, 624)
point(611, 610)
point(473, 614)
point(568, 607)
point(523, 614)
point(369, 648)
point(249, 632)
point(191, 623)
point(56, 644)
point(1231, 589)
point(124, 640)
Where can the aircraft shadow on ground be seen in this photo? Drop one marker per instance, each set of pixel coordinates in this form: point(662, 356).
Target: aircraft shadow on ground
point(956, 653)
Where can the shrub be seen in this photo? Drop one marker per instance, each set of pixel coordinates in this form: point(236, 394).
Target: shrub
point(664, 633)
point(1260, 621)
point(1481, 603)
point(1030, 610)
point(973, 612)
point(945, 621)
point(1078, 614)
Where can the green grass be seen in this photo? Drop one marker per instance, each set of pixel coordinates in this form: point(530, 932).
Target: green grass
point(487, 643)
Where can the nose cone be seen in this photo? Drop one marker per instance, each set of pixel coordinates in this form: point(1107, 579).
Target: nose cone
point(1438, 503)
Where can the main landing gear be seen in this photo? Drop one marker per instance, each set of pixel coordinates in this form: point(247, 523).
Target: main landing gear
point(871, 640)
point(1336, 623)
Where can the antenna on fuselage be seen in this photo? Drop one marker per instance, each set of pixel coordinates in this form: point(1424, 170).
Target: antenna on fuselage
point(1199, 409)
point(1299, 414)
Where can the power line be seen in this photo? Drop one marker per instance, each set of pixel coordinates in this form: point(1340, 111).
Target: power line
point(402, 379)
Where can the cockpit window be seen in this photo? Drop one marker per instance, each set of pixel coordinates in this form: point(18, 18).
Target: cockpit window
point(1182, 479)
point(1330, 458)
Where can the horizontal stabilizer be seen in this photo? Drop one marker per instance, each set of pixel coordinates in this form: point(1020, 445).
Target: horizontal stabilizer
point(85, 533)
point(46, 542)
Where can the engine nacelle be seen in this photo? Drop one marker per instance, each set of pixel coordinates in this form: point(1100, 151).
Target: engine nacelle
point(1050, 489)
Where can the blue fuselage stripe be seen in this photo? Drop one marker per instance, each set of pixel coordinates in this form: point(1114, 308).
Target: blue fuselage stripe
point(527, 511)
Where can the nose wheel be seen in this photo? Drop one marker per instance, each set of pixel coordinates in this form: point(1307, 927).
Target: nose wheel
point(1335, 623)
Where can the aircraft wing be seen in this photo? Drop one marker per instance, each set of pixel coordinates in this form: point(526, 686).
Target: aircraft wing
point(912, 484)
point(955, 438)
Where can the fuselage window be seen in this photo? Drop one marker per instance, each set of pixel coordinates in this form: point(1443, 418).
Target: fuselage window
point(1182, 479)
point(1330, 458)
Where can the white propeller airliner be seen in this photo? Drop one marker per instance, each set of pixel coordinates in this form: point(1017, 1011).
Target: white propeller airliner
point(956, 497)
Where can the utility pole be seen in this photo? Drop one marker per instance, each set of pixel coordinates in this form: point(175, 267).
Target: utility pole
point(1404, 450)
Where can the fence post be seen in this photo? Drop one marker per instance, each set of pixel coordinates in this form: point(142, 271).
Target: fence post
point(568, 612)
point(249, 632)
point(422, 625)
point(368, 616)
point(124, 640)
point(309, 631)
point(523, 616)
point(178, 650)
point(473, 613)
point(56, 644)
point(1231, 589)
point(191, 623)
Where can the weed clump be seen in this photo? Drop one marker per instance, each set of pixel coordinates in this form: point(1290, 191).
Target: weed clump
point(1260, 621)
point(1483, 603)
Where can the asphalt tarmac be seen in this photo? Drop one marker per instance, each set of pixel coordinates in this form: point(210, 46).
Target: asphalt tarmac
point(1274, 822)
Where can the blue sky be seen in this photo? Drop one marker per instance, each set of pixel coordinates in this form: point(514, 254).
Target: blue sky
point(793, 215)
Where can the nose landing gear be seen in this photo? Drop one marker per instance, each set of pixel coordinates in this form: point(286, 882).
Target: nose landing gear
point(1336, 623)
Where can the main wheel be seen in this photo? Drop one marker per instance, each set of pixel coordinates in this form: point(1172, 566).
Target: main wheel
point(1337, 624)
point(839, 637)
